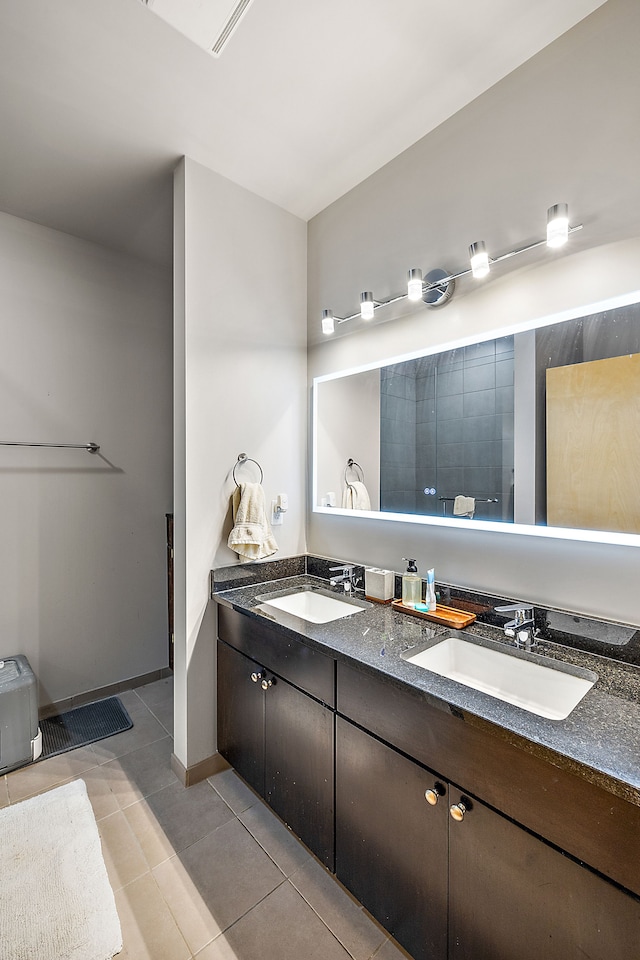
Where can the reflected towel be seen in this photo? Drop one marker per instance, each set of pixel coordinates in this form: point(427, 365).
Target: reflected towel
point(251, 537)
point(464, 506)
point(356, 497)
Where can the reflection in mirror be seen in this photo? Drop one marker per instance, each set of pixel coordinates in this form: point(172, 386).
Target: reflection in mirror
point(446, 433)
point(541, 426)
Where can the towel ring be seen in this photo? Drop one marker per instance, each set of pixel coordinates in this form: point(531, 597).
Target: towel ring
point(242, 459)
point(352, 465)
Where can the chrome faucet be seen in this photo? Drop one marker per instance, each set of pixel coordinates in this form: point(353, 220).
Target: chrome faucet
point(347, 576)
point(522, 629)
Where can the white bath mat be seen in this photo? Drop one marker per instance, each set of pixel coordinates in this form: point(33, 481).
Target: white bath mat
point(56, 902)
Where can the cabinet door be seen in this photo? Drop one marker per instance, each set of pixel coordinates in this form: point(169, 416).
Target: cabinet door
point(299, 744)
point(241, 715)
point(513, 895)
point(391, 845)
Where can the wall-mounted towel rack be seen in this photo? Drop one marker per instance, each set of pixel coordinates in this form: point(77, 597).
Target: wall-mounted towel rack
point(90, 447)
point(242, 459)
point(355, 467)
point(445, 500)
point(477, 499)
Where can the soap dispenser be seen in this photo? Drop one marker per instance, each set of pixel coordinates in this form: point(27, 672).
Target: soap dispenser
point(411, 585)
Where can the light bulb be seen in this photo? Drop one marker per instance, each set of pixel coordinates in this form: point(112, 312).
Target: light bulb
point(557, 225)
point(479, 259)
point(366, 305)
point(328, 325)
point(414, 284)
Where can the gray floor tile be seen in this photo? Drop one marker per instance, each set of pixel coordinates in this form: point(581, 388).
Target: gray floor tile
point(341, 912)
point(123, 857)
point(135, 707)
point(173, 818)
point(146, 729)
point(103, 801)
point(149, 931)
point(158, 692)
point(158, 698)
point(163, 712)
point(140, 773)
point(45, 774)
point(197, 923)
point(230, 871)
point(4, 792)
point(281, 927)
point(280, 843)
point(233, 790)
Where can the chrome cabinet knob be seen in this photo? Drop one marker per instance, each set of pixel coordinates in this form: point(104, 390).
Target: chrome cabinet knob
point(256, 676)
point(266, 684)
point(433, 794)
point(457, 811)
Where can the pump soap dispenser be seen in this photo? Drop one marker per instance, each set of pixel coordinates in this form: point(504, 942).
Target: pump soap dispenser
point(411, 585)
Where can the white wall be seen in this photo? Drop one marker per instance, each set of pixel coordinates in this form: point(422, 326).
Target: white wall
point(349, 428)
point(86, 355)
point(240, 387)
point(561, 128)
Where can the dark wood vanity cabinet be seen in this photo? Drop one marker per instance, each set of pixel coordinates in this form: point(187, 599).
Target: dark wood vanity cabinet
point(391, 844)
point(476, 888)
point(299, 775)
point(502, 891)
point(511, 894)
point(281, 741)
point(494, 884)
point(241, 715)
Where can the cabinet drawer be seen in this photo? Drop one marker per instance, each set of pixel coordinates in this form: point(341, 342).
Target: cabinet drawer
point(578, 816)
point(306, 668)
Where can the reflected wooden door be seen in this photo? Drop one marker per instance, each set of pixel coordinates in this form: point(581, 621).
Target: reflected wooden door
point(593, 445)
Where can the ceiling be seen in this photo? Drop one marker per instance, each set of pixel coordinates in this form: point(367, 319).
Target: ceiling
point(99, 99)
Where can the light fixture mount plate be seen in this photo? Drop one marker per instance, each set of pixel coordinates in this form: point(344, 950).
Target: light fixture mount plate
point(437, 294)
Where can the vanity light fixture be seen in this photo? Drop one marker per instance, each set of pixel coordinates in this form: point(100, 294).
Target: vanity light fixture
point(557, 225)
point(328, 322)
point(436, 288)
point(414, 285)
point(479, 259)
point(367, 305)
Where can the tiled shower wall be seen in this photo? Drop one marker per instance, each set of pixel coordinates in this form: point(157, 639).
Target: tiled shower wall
point(398, 422)
point(447, 428)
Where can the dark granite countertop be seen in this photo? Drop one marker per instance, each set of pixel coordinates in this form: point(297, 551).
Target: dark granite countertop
point(599, 740)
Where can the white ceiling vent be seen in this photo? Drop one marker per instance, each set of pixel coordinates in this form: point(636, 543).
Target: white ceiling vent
point(209, 23)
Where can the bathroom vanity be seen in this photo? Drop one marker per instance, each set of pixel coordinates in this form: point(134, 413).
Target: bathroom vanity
point(470, 828)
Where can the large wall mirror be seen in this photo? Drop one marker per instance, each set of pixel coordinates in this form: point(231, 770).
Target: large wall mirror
point(534, 430)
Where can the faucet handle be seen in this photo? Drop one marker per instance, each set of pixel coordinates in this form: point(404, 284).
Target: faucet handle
point(526, 609)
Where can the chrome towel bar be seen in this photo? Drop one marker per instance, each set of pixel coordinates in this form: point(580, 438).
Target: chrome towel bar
point(89, 447)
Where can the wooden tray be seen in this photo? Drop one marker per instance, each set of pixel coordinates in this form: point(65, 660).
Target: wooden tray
point(377, 600)
point(456, 619)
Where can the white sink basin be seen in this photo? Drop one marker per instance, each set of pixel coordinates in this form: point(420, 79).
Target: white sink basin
point(314, 606)
point(547, 691)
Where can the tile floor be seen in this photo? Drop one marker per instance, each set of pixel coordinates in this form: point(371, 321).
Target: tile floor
point(209, 872)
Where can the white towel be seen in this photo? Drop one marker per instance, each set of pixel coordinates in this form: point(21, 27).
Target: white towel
point(251, 537)
point(464, 506)
point(356, 497)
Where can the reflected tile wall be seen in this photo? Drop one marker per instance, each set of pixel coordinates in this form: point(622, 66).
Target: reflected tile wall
point(447, 424)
